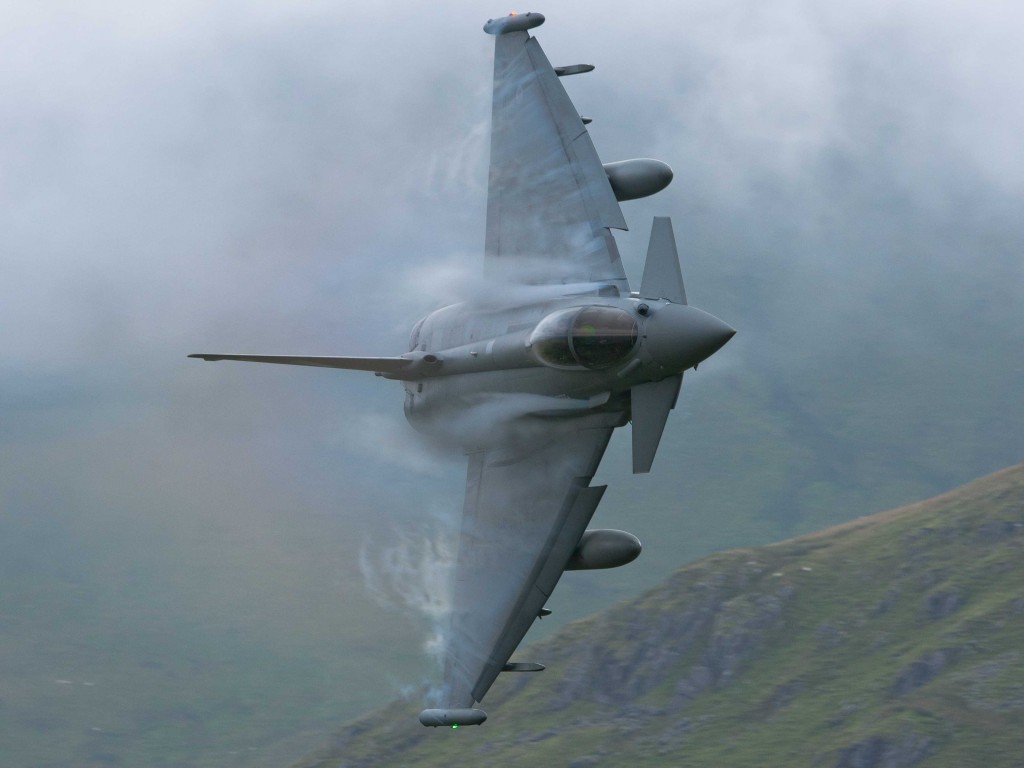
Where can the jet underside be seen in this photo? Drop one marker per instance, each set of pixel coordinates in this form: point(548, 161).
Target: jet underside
point(529, 379)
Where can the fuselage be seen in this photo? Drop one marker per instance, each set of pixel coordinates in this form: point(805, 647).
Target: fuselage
point(570, 353)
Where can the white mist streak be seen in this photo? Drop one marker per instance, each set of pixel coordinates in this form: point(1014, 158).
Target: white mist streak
point(413, 570)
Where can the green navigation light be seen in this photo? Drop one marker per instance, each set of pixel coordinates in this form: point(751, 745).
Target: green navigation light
point(455, 726)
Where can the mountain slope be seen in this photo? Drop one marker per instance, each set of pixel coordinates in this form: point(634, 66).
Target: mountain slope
point(886, 641)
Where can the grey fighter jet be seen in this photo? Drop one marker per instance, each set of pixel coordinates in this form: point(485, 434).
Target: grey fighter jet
point(555, 358)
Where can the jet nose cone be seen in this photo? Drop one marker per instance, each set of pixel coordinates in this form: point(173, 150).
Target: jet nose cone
point(713, 334)
point(680, 337)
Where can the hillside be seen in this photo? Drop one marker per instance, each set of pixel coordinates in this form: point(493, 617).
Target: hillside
point(893, 640)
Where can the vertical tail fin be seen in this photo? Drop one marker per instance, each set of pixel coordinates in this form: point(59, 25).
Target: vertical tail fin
point(663, 279)
point(651, 404)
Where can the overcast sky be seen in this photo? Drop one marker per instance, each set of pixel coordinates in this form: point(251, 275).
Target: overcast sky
point(277, 177)
point(307, 177)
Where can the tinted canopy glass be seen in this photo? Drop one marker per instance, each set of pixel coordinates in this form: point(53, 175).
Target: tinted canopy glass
point(592, 337)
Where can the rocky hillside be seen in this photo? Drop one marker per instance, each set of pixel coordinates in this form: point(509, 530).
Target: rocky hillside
point(895, 640)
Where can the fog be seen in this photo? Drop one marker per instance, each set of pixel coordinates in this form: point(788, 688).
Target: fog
point(266, 177)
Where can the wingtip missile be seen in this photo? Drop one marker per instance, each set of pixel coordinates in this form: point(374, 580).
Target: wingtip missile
point(514, 22)
point(435, 718)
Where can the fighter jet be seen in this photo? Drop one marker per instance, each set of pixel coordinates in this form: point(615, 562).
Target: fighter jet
point(559, 355)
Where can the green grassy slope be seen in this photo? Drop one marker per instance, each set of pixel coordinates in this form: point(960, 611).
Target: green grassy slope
point(888, 641)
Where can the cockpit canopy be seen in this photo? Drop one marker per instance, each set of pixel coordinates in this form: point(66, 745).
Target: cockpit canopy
point(591, 337)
